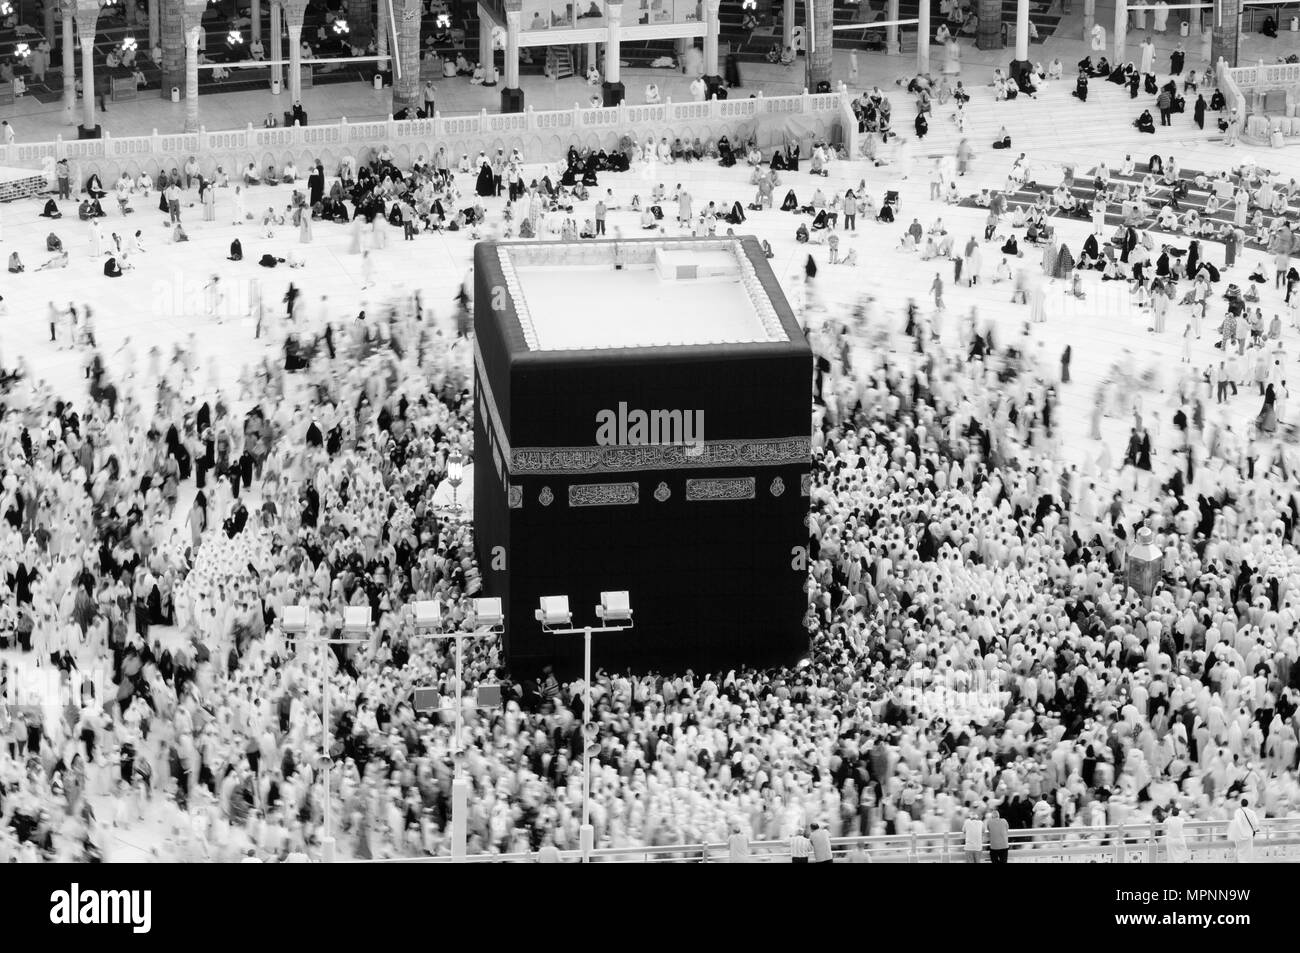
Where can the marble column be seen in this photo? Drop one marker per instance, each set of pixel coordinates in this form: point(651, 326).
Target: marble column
point(153, 26)
point(1022, 30)
point(171, 28)
point(512, 96)
point(1225, 33)
point(255, 15)
point(87, 74)
point(787, 25)
point(1121, 33)
point(293, 16)
point(612, 90)
point(192, 78)
point(711, 38)
point(891, 32)
point(406, 88)
point(69, 48)
point(821, 58)
point(1089, 18)
point(381, 33)
point(275, 52)
point(923, 38)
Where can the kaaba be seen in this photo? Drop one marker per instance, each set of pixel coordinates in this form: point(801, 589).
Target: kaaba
point(642, 423)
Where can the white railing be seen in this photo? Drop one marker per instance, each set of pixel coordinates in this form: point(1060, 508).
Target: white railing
point(1266, 75)
point(1278, 842)
point(573, 125)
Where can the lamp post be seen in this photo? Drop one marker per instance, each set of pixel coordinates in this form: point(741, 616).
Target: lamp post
point(488, 622)
point(1143, 563)
point(615, 607)
point(455, 474)
point(356, 621)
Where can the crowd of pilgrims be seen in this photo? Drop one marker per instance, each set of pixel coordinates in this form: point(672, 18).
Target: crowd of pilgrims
point(972, 643)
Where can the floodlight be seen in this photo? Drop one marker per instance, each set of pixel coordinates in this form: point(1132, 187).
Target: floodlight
point(293, 619)
point(614, 607)
point(356, 620)
point(554, 611)
point(488, 614)
point(428, 613)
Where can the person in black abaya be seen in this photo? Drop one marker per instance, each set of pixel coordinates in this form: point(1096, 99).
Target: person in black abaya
point(922, 126)
point(1198, 112)
point(316, 184)
point(1193, 258)
point(1156, 165)
point(1081, 87)
point(1134, 81)
point(486, 185)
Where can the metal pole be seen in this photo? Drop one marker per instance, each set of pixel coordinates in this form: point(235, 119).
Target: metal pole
point(327, 842)
point(586, 835)
point(459, 784)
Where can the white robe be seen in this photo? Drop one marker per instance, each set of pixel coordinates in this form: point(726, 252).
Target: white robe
point(1159, 16)
point(1176, 848)
point(1148, 57)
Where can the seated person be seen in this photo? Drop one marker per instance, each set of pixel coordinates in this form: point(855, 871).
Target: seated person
point(801, 234)
point(1145, 123)
point(289, 174)
point(51, 210)
point(15, 264)
point(90, 208)
point(60, 260)
point(95, 188)
point(112, 269)
point(178, 234)
point(1003, 140)
point(250, 175)
point(1010, 246)
point(1081, 87)
point(648, 219)
point(1054, 69)
point(236, 251)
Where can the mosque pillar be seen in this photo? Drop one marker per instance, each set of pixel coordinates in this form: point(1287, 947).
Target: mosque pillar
point(1225, 32)
point(1022, 30)
point(923, 38)
point(1089, 17)
point(69, 49)
point(87, 21)
point(1121, 32)
point(512, 95)
point(293, 14)
point(406, 89)
point(171, 29)
point(891, 32)
point(821, 57)
point(153, 26)
point(712, 75)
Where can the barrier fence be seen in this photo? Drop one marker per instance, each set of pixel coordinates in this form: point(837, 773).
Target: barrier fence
point(550, 131)
point(1278, 842)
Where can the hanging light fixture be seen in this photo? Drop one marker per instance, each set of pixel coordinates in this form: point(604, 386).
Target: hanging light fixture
point(6, 8)
point(22, 51)
point(128, 44)
point(341, 27)
point(444, 21)
point(234, 38)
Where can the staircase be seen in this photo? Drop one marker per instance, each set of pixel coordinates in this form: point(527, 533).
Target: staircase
point(559, 63)
point(1054, 128)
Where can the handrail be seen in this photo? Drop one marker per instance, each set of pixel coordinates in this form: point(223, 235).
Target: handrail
point(1117, 843)
point(579, 120)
